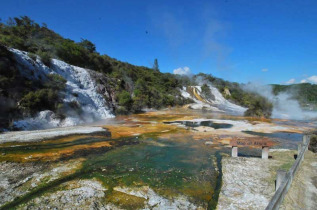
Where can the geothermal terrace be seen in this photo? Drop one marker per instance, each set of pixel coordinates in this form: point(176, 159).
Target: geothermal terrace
point(176, 158)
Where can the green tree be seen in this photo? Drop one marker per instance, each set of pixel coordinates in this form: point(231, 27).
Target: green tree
point(155, 65)
point(88, 45)
point(124, 99)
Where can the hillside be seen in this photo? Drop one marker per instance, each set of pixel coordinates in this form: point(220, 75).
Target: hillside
point(62, 95)
point(304, 93)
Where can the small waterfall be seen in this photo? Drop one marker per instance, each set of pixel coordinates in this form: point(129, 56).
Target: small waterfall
point(80, 88)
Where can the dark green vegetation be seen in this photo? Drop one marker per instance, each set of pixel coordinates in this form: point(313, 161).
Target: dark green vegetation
point(21, 96)
point(206, 92)
point(305, 93)
point(257, 105)
point(214, 201)
point(147, 87)
point(132, 87)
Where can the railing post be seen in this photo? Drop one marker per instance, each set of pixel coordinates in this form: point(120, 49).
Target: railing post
point(234, 152)
point(265, 152)
point(299, 149)
point(305, 142)
point(280, 174)
point(304, 139)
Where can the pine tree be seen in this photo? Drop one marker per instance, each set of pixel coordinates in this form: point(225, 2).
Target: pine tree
point(156, 66)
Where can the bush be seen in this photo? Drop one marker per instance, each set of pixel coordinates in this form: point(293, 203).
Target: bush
point(56, 82)
point(260, 107)
point(72, 53)
point(121, 110)
point(45, 58)
point(138, 104)
point(206, 92)
point(125, 100)
point(44, 99)
point(32, 56)
point(60, 111)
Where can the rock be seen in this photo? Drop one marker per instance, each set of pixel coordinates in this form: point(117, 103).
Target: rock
point(208, 143)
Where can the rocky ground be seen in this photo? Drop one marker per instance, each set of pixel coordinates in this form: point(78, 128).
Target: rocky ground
point(75, 194)
point(248, 183)
point(19, 179)
point(91, 194)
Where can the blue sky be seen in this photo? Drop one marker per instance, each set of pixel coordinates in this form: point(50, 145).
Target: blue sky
point(264, 41)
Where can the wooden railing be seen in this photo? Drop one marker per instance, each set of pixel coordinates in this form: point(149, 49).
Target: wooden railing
point(286, 182)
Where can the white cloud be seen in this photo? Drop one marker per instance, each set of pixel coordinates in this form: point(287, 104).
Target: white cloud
point(291, 81)
point(312, 79)
point(182, 71)
point(264, 70)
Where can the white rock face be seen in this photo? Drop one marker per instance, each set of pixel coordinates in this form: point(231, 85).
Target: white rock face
point(218, 103)
point(80, 83)
point(155, 201)
point(38, 135)
point(245, 184)
point(80, 88)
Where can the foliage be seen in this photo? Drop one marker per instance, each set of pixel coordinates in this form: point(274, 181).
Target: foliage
point(305, 93)
point(88, 45)
point(137, 87)
point(260, 107)
point(257, 105)
point(39, 100)
point(124, 99)
point(155, 65)
point(45, 57)
point(205, 91)
point(21, 96)
point(150, 88)
point(55, 82)
point(32, 56)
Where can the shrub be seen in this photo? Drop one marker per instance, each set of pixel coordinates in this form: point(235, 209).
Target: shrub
point(56, 82)
point(206, 92)
point(121, 110)
point(72, 53)
point(124, 99)
point(60, 111)
point(260, 107)
point(45, 58)
point(32, 56)
point(40, 100)
point(138, 104)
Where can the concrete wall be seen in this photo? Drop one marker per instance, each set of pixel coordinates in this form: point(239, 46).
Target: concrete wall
point(279, 195)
